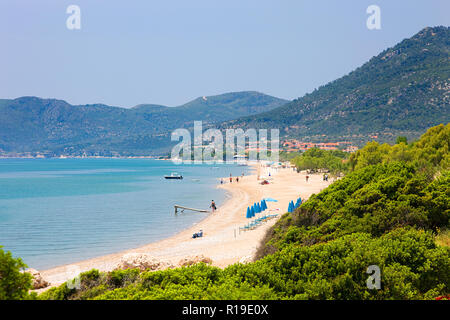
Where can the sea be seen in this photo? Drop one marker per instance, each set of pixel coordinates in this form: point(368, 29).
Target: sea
point(60, 211)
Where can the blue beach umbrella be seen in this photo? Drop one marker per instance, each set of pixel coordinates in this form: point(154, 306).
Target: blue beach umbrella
point(263, 205)
point(253, 211)
point(259, 208)
point(270, 200)
point(249, 213)
point(290, 207)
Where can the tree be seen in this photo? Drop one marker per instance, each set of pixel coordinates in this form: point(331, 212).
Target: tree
point(401, 139)
point(14, 284)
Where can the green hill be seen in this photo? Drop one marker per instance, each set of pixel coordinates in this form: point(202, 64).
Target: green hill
point(402, 91)
point(31, 124)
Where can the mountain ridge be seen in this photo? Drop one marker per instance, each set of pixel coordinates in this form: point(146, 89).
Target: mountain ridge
point(32, 124)
point(402, 90)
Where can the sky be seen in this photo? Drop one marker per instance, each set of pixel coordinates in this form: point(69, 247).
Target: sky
point(173, 51)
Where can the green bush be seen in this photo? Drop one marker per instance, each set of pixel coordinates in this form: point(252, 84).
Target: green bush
point(14, 284)
point(412, 267)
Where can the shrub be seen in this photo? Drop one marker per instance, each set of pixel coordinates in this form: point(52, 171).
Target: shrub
point(14, 283)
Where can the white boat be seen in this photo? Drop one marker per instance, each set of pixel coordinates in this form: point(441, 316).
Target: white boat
point(174, 175)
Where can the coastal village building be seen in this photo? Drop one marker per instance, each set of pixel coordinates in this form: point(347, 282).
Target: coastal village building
point(293, 145)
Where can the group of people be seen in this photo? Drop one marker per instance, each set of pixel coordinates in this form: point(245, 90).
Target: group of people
point(325, 177)
point(231, 178)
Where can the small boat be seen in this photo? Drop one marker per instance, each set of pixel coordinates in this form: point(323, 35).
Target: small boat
point(174, 175)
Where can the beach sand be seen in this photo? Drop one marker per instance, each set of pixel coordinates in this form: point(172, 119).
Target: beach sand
point(221, 241)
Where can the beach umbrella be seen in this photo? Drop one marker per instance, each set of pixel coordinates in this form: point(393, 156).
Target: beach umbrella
point(259, 208)
point(263, 205)
point(290, 207)
point(249, 213)
point(270, 200)
point(253, 211)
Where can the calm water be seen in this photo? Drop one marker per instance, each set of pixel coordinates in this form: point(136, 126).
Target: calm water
point(58, 211)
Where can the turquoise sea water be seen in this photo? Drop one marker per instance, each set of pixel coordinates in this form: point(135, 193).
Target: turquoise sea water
point(59, 211)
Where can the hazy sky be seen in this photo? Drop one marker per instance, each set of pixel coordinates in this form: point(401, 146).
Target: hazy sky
point(169, 52)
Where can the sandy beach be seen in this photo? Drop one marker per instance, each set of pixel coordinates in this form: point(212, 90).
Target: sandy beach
point(222, 241)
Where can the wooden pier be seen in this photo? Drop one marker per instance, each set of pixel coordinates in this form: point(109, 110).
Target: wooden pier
point(181, 208)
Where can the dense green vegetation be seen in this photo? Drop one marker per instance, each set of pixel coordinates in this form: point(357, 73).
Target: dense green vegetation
point(413, 267)
point(14, 284)
point(387, 212)
point(31, 124)
point(389, 187)
point(316, 159)
point(401, 92)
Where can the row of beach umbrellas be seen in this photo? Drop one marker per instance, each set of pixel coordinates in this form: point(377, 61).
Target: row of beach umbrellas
point(257, 207)
point(293, 206)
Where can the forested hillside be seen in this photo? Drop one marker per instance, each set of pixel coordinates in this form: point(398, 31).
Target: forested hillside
point(31, 124)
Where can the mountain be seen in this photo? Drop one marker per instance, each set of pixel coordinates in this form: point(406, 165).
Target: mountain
point(31, 124)
point(402, 91)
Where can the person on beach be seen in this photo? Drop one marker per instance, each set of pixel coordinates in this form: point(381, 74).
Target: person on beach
point(237, 179)
point(307, 178)
point(221, 181)
point(213, 206)
point(231, 178)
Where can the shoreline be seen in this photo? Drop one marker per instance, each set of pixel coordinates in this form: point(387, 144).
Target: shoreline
point(222, 241)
